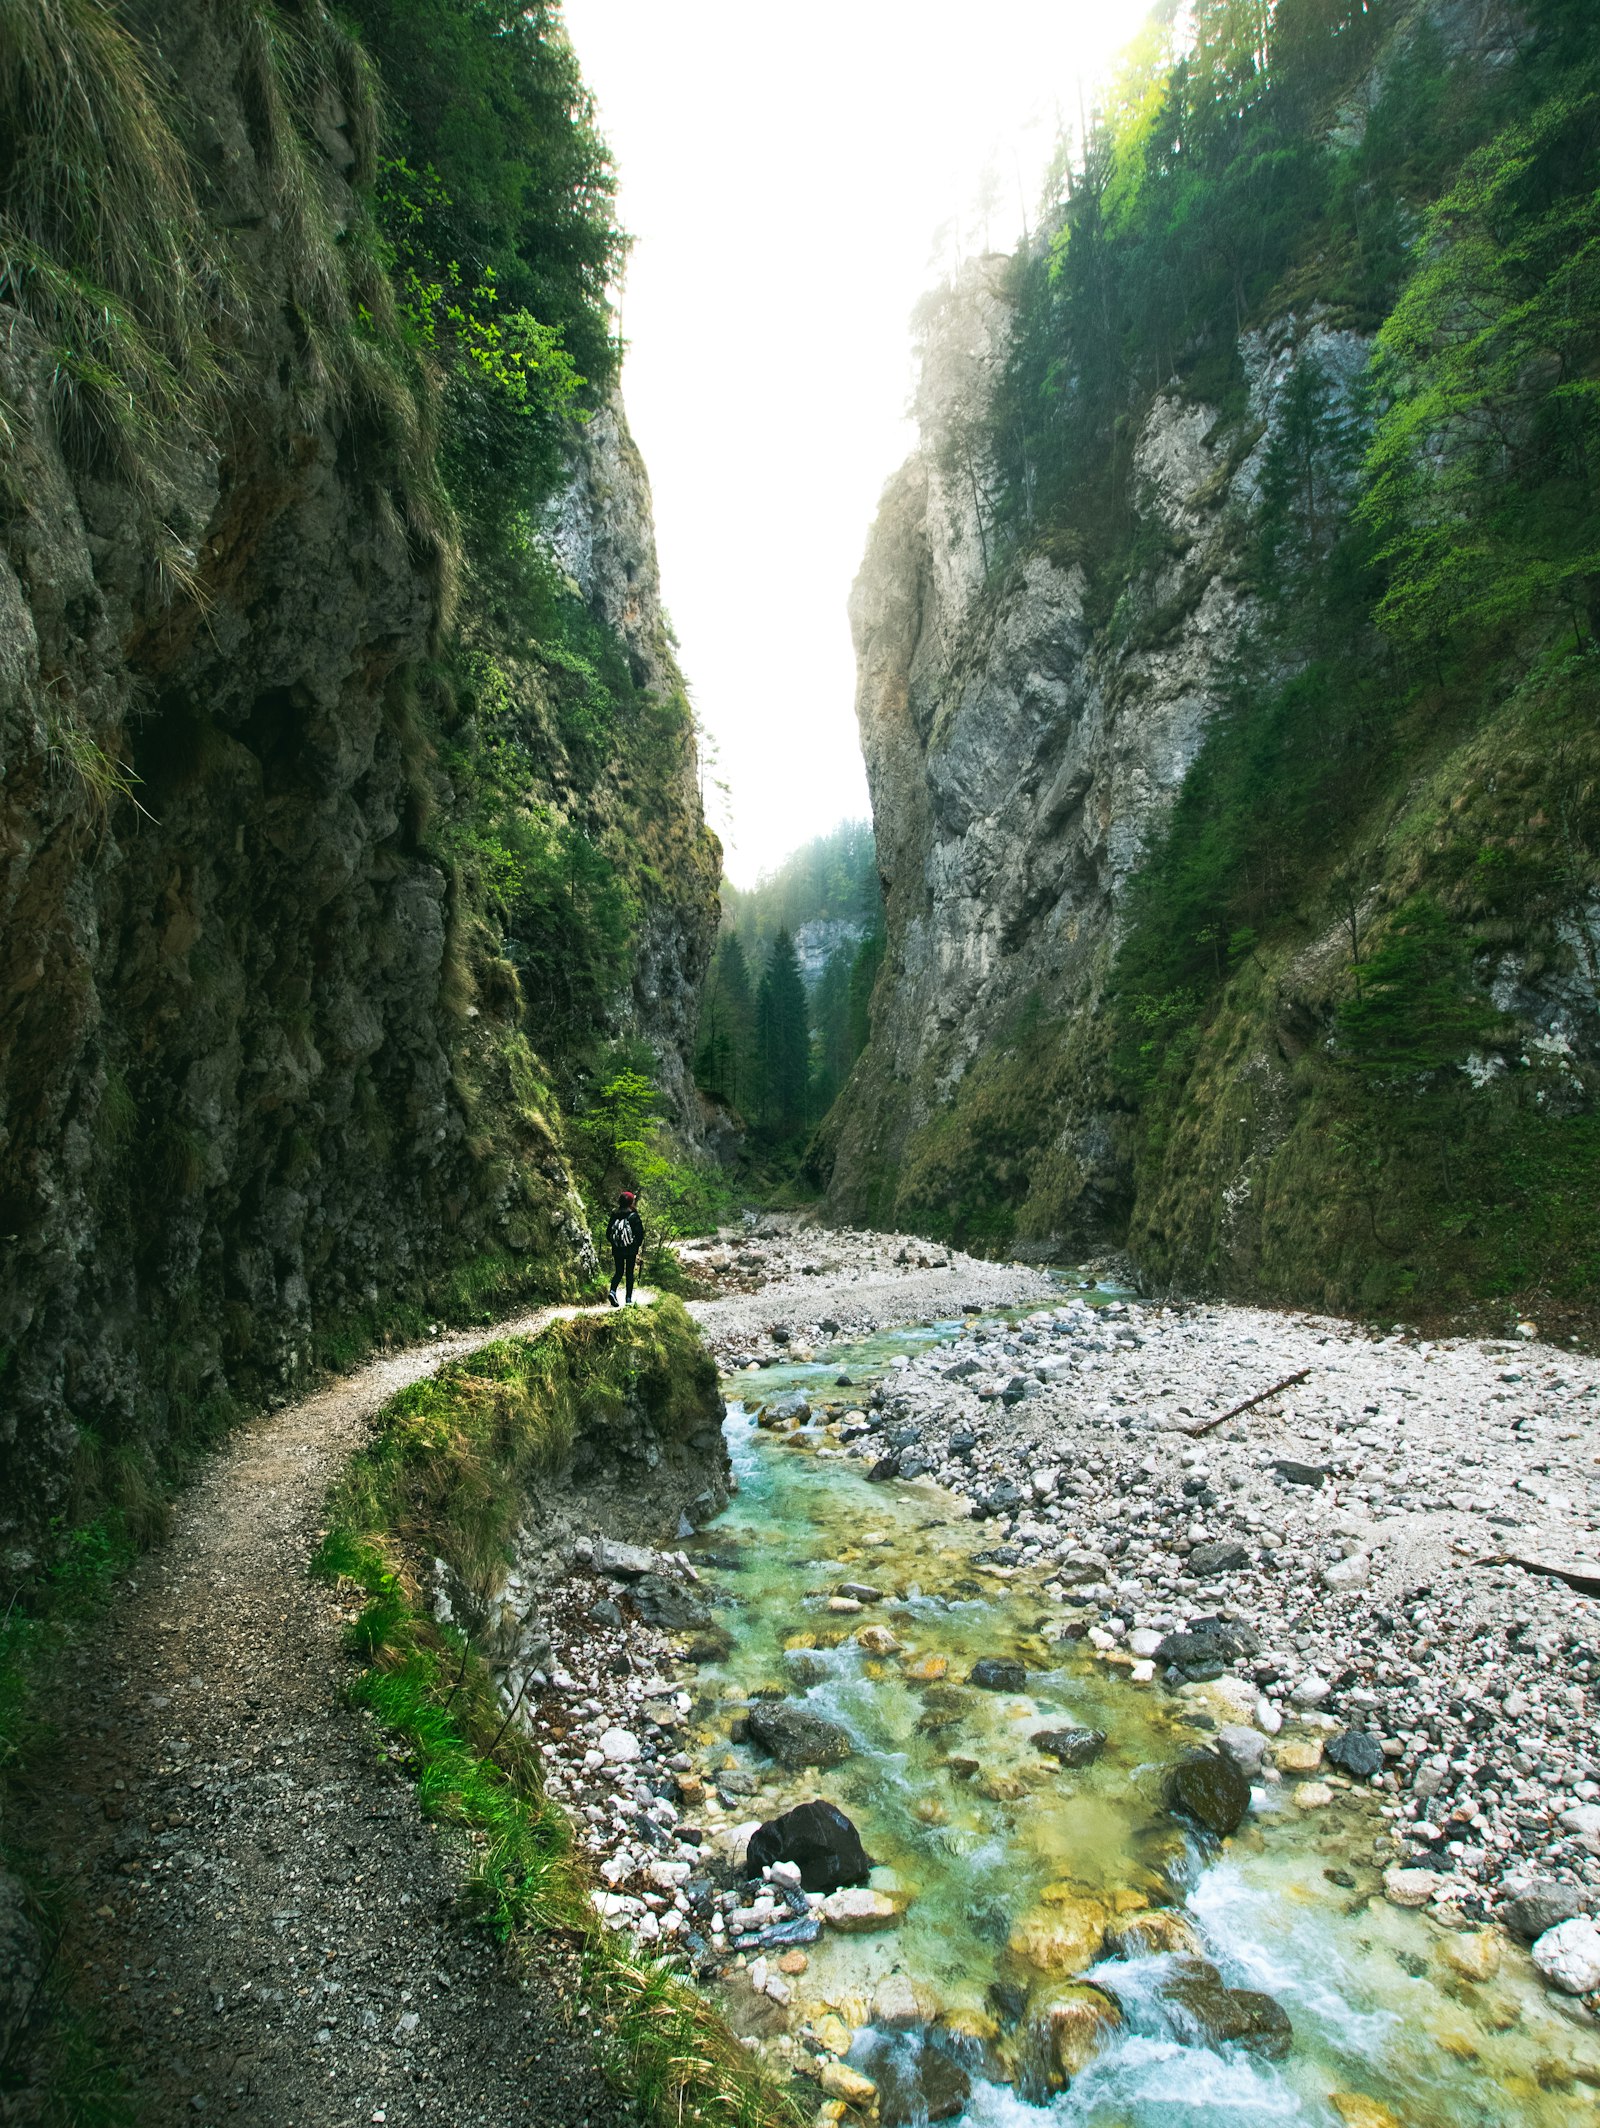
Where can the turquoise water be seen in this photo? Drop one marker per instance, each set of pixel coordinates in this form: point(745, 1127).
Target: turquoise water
point(1005, 1863)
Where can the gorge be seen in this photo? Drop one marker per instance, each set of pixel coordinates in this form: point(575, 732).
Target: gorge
point(427, 1686)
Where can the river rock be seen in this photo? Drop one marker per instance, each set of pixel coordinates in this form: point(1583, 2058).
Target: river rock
point(917, 2082)
point(1207, 1651)
point(895, 2007)
point(1569, 1955)
point(1410, 1887)
point(1077, 2021)
point(1352, 1573)
point(859, 1908)
point(877, 1640)
point(618, 1747)
point(1162, 1928)
point(1073, 1747)
point(1221, 2014)
point(1002, 1499)
point(842, 2082)
point(1313, 1795)
point(1293, 1473)
point(862, 1591)
point(1225, 1556)
point(1211, 1789)
point(1311, 1691)
point(1474, 1956)
point(668, 1604)
point(1541, 1905)
point(819, 1839)
point(1225, 1699)
point(796, 1737)
point(1063, 1936)
point(1356, 2110)
point(1356, 1752)
point(1297, 1754)
point(1246, 1747)
point(997, 1673)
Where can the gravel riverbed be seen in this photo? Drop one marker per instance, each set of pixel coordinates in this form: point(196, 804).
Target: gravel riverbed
point(1334, 1561)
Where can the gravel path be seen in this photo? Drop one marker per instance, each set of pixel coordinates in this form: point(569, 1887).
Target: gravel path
point(272, 1925)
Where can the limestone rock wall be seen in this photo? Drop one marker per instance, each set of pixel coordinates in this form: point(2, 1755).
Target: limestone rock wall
point(1020, 758)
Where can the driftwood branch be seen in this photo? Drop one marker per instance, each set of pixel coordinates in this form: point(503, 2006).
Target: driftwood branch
point(1249, 1403)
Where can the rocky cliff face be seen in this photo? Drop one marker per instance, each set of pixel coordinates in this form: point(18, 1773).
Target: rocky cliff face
point(266, 1080)
point(1037, 694)
point(1021, 757)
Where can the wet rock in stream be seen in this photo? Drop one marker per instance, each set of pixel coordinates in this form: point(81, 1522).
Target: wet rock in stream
point(1072, 1746)
point(1218, 2014)
point(916, 2080)
point(1210, 1788)
point(795, 1737)
point(997, 1673)
point(819, 1840)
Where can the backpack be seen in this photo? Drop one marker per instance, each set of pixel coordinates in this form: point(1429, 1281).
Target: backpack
point(620, 1233)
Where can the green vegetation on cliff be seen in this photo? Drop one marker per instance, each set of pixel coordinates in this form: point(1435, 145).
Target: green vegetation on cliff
point(1344, 1047)
point(362, 839)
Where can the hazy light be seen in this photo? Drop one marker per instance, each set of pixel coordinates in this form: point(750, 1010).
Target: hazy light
point(795, 179)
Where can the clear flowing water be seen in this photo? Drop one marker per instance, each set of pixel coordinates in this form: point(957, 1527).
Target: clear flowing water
point(1000, 1855)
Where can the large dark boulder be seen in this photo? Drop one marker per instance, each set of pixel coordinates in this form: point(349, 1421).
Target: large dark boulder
point(819, 1839)
point(1207, 1650)
point(671, 1605)
point(1356, 1752)
point(1218, 2014)
point(1223, 1556)
point(795, 1737)
point(1072, 1746)
point(917, 2081)
point(997, 1673)
point(1211, 1790)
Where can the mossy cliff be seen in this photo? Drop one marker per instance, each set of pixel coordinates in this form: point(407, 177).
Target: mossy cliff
point(349, 805)
point(1228, 685)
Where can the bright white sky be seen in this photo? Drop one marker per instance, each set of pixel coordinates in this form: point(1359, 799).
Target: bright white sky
point(790, 176)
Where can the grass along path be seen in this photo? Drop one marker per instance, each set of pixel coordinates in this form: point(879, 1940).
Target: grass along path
point(262, 1921)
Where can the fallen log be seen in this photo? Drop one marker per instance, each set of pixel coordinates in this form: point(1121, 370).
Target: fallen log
point(1249, 1404)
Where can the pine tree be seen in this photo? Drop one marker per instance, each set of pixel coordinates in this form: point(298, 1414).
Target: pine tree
point(726, 1064)
point(783, 1039)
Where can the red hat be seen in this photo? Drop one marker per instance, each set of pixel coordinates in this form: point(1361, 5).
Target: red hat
point(630, 1196)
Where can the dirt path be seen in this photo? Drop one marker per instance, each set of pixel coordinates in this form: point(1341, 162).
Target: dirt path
point(269, 1924)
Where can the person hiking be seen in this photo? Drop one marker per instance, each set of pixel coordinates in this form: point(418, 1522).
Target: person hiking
point(626, 1236)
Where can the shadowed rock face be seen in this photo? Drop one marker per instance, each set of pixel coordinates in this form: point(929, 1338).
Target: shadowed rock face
point(256, 1057)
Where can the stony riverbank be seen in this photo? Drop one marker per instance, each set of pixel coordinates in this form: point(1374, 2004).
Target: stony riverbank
point(1330, 1563)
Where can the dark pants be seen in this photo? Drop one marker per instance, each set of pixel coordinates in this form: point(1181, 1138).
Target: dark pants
point(622, 1261)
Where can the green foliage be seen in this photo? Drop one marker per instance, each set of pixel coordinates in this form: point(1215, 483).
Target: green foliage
point(833, 878)
point(497, 207)
point(727, 1062)
point(454, 1456)
point(783, 1039)
point(745, 1057)
point(1414, 1008)
point(1481, 472)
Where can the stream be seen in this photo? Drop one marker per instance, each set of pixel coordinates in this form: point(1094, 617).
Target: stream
point(1007, 1863)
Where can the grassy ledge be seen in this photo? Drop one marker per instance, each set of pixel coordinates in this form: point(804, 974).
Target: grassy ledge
point(447, 1473)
